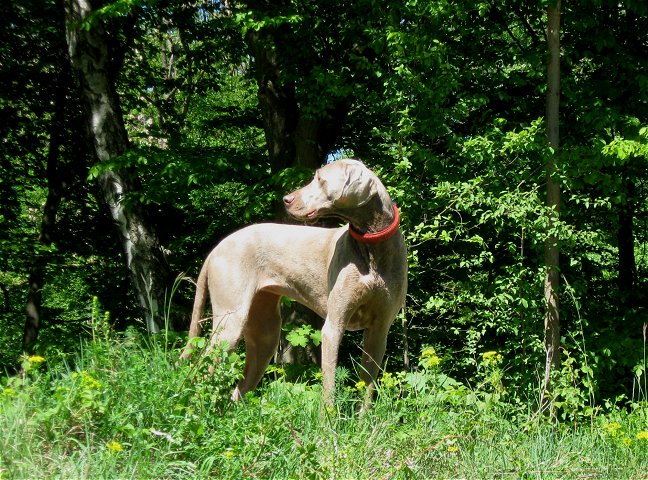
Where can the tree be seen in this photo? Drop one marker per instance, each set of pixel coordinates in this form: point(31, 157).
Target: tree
point(90, 54)
point(313, 62)
point(178, 52)
point(55, 190)
point(35, 107)
point(552, 249)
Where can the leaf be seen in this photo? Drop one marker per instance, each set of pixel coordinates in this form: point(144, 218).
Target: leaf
point(316, 337)
point(297, 338)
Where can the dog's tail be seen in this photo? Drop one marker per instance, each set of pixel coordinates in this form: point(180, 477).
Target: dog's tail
point(195, 328)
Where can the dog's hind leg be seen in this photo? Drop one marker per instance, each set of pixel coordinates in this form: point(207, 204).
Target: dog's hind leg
point(231, 291)
point(261, 333)
point(228, 329)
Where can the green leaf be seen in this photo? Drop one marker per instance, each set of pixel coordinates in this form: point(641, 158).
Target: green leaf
point(297, 338)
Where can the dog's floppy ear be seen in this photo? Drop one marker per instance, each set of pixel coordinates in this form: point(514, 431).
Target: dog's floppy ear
point(359, 186)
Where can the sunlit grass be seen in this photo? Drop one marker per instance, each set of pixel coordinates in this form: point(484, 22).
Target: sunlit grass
point(123, 409)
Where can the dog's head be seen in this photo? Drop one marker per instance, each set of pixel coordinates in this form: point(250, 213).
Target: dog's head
point(338, 186)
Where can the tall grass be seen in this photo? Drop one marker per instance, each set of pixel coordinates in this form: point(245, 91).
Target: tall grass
point(123, 409)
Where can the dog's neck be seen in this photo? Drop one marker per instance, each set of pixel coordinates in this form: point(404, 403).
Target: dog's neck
point(375, 221)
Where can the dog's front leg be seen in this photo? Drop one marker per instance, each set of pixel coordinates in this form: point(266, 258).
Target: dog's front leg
point(375, 343)
point(332, 332)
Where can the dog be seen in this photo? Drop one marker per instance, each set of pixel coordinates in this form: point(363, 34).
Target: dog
point(354, 277)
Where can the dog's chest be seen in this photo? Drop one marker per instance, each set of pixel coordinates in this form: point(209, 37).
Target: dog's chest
point(373, 306)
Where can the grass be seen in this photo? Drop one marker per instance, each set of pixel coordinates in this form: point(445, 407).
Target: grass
point(123, 409)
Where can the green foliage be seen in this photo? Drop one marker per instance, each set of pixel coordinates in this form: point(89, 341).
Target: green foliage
point(302, 335)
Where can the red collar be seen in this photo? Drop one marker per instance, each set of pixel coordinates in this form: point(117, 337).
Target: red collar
point(377, 237)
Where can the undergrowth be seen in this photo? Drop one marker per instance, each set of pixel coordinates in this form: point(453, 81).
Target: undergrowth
point(123, 408)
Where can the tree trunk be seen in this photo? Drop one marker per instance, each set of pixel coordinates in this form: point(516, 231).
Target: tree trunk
point(277, 102)
point(89, 54)
point(552, 248)
point(55, 189)
point(292, 137)
point(625, 241)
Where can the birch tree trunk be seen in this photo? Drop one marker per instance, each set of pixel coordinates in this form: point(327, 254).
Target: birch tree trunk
point(90, 57)
point(552, 248)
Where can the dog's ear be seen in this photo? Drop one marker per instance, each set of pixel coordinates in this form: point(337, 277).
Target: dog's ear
point(359, 186)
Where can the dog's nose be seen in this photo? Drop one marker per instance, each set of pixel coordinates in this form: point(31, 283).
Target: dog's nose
point(288, 199)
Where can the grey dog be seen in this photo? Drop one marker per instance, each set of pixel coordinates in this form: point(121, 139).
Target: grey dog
point(354, 277)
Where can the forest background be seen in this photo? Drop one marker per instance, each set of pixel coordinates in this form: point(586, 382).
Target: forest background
point(216, 109)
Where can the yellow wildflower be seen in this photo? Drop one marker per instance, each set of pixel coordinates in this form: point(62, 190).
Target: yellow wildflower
point(89, 381)
point(229, 453)
point(360, 386)
point(428, 352)
point(642, 436)
point(492, 358)
point(429, 358)
point(613, 429)
point(115, 446)
point(35, 359)
point(453, 449)
point(9, 392)
point(388, 380)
